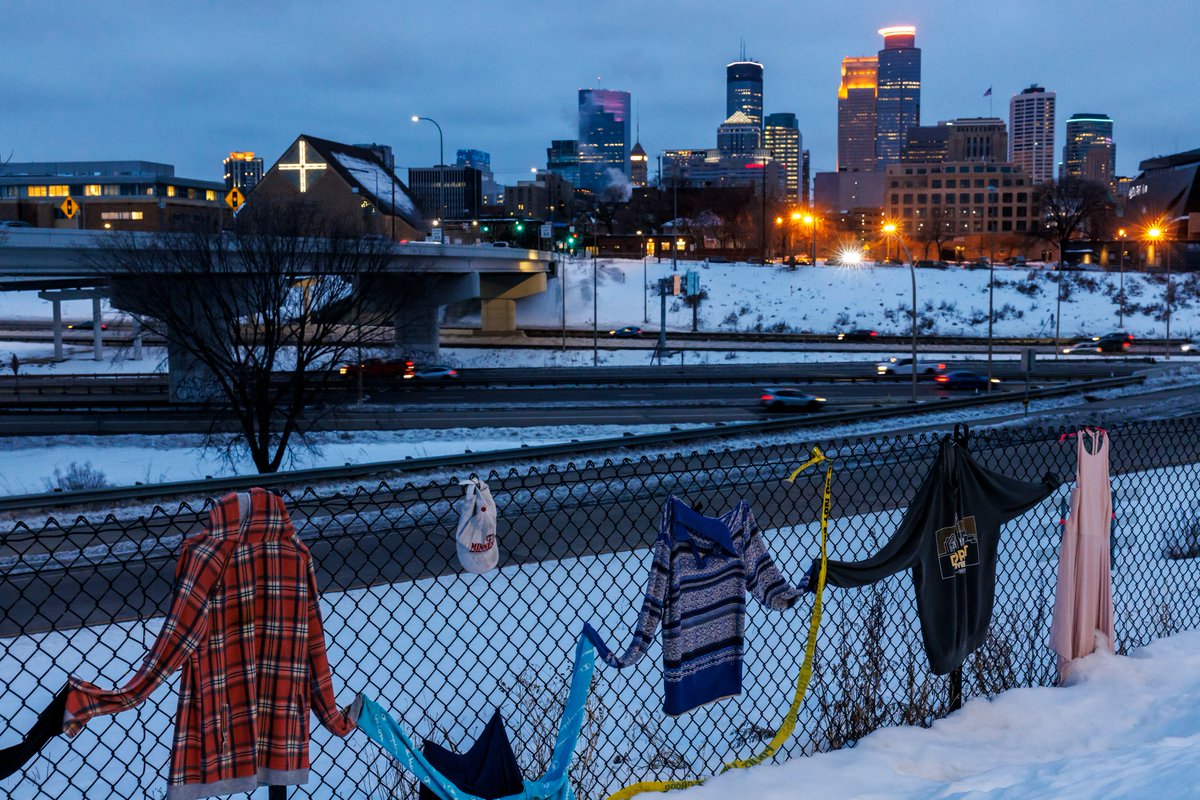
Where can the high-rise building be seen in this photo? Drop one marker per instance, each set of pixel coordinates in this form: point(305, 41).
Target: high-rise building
point(805, 177)
point(639, 166)
point(603, 137)
point(678, 164)
point(898, 101)
point(562, 158)
point(856, 114)
point(1031, 133)
point(1089, 151)
point(964, 139)
point(243, 171)
point(782, 139)
point(482, 161)
point(739, 136)
point(744, 90)
point(457, 190)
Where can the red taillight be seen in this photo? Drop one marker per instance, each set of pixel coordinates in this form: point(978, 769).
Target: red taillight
point(767, 397)
point(942, 379)
point(874, 333)
point(941, 366)
point(453, 372)
point(1125, 344)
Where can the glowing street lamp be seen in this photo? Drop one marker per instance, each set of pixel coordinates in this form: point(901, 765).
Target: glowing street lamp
point(811, 222)
point(889, 230)
point(441, 164)
point(1121, 234)
point(1155, 234)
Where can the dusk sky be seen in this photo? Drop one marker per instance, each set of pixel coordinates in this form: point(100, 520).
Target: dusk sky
point(185, 83)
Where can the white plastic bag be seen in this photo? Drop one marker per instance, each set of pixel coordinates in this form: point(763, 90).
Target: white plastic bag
point(478, 550)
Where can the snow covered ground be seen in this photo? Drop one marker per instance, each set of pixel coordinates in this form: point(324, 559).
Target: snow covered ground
point(29, 462)
point(954, 301)
point(1127, 727)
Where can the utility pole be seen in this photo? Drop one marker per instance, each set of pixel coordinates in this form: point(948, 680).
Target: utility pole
point(662, 319)
point(595, 307)
point(675, 223)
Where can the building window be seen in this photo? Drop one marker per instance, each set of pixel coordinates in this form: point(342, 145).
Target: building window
point(59, 191)
point(908, 199)
point(112, 189)
point(36, 191)
point(121, 215)
point(963, 198)
point(1022, 197)
point(92, 190)
point(170, 191)
point(936, 183)
point(922, 199)
point(210, 195)
point(950, 183)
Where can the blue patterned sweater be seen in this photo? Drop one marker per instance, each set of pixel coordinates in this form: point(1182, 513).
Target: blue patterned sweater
point(703, 567)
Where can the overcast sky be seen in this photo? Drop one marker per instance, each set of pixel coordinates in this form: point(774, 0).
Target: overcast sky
point(185, 83)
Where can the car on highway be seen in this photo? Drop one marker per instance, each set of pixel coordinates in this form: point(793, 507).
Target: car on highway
point(1083, 346)
point(86, 326)
point(1190, 348)
point(785, 399)
point(377, 369)
point(1114, 342)
point(962, 379)
point(628, 332)
point(430, 372)
point(904, 366)
point(858, 335)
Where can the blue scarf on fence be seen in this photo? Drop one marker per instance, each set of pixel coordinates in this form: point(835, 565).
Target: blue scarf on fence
point(379, 726)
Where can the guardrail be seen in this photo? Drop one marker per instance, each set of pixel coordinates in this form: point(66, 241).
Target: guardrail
point(720, 430)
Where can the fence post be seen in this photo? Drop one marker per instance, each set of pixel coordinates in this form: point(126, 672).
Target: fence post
point(277, 793)
point(955, 690)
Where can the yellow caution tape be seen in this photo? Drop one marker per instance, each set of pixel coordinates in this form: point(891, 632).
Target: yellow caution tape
point(789, 721)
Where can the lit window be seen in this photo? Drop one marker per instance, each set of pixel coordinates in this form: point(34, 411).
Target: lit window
point(59, 191)
point(210, 195)
point(92, 190)
point(170, 191)
point(37, 191)
point(136, 215)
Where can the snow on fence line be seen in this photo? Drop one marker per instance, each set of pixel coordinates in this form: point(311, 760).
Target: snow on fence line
point(442, 648)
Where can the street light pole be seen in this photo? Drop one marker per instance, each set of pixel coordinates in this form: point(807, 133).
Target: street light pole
point(1167, 242)
point(993, 220)
point(1121, 304)
point(890, 230)
point(441, 165)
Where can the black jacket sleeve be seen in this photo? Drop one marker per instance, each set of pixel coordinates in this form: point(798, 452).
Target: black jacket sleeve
point(898, 554)
point(1010, 497)
point(49, 724)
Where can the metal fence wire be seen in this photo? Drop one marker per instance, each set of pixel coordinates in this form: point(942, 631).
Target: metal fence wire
point(441, 648)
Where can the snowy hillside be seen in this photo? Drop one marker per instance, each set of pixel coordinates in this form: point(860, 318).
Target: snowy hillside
point(952, 301)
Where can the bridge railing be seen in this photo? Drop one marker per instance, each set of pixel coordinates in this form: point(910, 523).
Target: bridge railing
point(441, 648)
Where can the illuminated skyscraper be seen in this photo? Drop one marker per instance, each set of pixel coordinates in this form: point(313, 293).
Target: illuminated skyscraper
point(243, 171)
point(603, 136)
point(1031, 133)
point(898, 101)
point(744, 90)
point(781, 138)
point(738, 136)
point(639, 165)
point(1089, 151)
point(856, 114)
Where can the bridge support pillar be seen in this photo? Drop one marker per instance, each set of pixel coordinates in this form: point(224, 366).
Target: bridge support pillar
point(56, 296)
point(58, 347)
point(97, 331)
point(498, 295)
point(417, 333)
point(189, 380)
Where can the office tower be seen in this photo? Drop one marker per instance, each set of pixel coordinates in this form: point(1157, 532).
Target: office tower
point(856, 114)
point(562, 158)
point(898, 99)
point(805, 177)
point(1031, 133)
point(243, 171)
point(1089, 151)
point(744, 90)
point(458, 190)
point(482, 161)
point(603, 137)
point(782, 139)
point(963, 139)
point(639, 166)
point(739, 136)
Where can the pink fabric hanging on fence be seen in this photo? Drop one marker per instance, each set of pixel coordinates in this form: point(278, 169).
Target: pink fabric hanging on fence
point(1083, 605)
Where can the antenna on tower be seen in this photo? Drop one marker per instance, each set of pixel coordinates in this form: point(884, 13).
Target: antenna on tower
point(742, 42)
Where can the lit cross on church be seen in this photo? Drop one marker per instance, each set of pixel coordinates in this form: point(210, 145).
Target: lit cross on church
point(304, 166)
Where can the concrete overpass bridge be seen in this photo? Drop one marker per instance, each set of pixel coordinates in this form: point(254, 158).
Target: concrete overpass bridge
point(60, 265)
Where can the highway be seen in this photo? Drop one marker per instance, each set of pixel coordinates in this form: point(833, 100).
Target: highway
point(403, 534)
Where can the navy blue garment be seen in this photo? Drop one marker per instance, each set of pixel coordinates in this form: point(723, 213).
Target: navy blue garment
point(49, 724)
point(488, 770)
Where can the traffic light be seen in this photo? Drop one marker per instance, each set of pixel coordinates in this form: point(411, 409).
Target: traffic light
point(520, 227)
point(486, 229)
point(570, 241)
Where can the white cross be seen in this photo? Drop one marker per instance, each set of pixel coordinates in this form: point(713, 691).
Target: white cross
point(304, 166)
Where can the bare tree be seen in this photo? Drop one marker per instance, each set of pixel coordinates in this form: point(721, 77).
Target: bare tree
point(1068, 208)
point(257, 316)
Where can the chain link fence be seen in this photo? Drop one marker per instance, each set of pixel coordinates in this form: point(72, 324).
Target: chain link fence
point(442, 648)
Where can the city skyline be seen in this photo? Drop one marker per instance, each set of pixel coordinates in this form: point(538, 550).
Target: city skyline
point(169, 86)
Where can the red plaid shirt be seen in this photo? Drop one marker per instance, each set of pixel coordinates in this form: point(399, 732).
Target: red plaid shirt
point(245, 628)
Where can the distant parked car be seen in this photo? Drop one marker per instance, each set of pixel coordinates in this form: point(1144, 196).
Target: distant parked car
point(1015, 261)
point(782, 399)
point(431, 372)
point(501, 244)
point(1082, 347)
point(628, 332)
point(963, 379)
point(926, 263)
point(858, 335)
point(904, 366)
point(86, 326)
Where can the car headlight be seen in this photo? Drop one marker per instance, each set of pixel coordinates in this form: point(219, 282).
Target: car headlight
point(994, 380)
point(881, 369)
point(819, 399)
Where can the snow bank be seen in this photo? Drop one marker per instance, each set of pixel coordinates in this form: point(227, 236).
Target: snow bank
point(1128, 727)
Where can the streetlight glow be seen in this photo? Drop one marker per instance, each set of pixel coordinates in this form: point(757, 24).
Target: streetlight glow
point(808, 219)
point(889, 228)
point(1154, 233)
point(415, 118)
